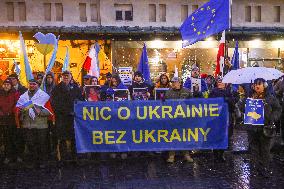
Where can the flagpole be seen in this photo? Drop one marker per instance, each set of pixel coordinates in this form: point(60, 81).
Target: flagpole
point(225, 53)
point(230, 14)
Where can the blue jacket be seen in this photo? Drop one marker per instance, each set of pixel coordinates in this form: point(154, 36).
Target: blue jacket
point(187, 84)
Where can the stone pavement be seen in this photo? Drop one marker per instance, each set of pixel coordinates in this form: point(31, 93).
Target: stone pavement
point(150, 171)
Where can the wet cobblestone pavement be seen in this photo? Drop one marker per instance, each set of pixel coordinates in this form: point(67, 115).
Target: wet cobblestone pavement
point(150, 172)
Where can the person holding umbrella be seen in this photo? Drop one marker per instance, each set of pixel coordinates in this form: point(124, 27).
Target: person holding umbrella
point(260, 137)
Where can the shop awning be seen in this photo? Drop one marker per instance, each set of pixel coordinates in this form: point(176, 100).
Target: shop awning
point(136, 33)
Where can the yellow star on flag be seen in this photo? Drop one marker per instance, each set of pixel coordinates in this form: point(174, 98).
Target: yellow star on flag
point(198, 33)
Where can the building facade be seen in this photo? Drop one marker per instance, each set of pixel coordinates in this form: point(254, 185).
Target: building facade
point(121, 27)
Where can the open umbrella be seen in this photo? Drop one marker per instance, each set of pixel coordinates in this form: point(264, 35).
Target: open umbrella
point(249, 74)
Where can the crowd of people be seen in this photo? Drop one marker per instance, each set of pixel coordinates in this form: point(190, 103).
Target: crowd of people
point(38, 122)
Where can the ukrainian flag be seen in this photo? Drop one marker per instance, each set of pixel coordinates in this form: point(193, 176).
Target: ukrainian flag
point(26, 71)
point(28, 105)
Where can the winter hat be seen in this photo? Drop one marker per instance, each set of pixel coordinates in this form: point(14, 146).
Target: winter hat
point(66, 72)
point(13, 76)
point(50, 74)
point(194, 68)
point(33, 81)
point(8, 81)
point(175, 79)
point(39, 76)
point(87, 77)
point(203, 76)
point(108, 75)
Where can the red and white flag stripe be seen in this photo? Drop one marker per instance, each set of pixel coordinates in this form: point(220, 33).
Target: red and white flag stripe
point(220, 56)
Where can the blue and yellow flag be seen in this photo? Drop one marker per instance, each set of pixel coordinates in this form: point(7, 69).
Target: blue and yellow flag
point(26, 71)
point(66, 61)
point(211, 18)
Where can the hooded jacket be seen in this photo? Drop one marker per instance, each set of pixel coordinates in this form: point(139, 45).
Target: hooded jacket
point(49, 87)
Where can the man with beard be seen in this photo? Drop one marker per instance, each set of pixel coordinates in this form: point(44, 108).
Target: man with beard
point(35, 108)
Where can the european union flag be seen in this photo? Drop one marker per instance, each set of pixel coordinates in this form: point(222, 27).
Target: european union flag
point(211, 18)
point(235, 60)
point(143, 65)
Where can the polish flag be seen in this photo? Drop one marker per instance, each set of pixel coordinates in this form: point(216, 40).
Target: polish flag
point(91, 64)
point(220, 56)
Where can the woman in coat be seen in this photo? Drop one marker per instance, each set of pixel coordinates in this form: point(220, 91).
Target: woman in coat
point(261, 137)
point(8, 99)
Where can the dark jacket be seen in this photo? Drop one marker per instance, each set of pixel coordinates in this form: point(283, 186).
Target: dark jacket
point(178, 94)
point(140, 85)
point(8, 101)
point(21, 89)
point(63, 98)
point(230, 97)
point(49, 87)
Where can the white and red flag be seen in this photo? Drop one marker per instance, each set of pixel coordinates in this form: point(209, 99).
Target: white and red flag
point(220, 56)
point(91, 64)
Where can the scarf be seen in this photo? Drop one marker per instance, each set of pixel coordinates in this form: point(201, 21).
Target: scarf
point(40, 98)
